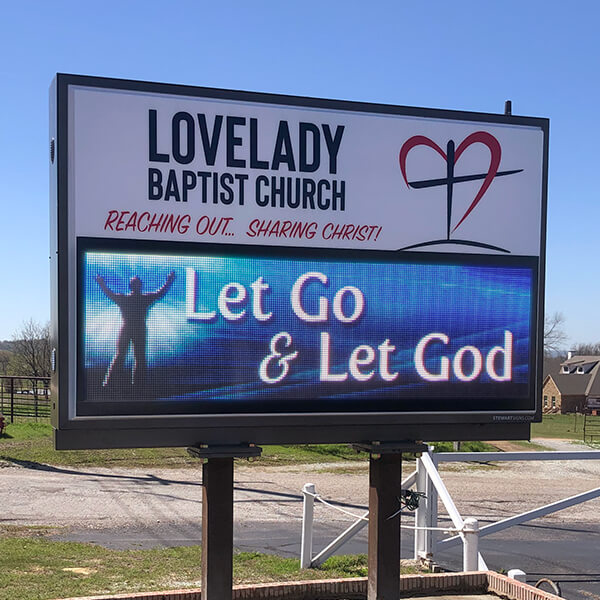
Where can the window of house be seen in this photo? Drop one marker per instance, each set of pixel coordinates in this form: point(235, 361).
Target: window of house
point(580, 370)
point(553, 401)
point(565, 369)
point(545, 401)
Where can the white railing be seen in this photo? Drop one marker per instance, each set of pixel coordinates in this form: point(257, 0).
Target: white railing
point(428, 482)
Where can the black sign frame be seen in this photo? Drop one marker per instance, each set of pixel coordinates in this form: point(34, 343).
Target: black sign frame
point(77, 431)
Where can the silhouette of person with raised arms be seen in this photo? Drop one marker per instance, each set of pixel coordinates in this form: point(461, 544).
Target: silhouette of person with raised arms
point(134, 311)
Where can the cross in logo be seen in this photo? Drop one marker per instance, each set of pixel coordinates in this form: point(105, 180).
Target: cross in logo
point(451, 156)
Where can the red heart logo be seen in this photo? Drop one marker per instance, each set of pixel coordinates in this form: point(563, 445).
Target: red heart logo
point(481, 137)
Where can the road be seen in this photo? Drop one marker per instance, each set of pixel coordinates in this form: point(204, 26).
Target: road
point(122, 508)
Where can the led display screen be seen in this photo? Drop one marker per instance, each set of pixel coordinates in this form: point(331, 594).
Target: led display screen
point(218, 331)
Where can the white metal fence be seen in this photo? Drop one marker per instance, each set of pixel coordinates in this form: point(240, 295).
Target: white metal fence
point(428, 482)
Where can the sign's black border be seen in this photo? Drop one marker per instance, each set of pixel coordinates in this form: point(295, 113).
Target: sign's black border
point(90, 432)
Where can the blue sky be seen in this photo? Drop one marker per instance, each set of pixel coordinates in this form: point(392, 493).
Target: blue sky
point(467, 55)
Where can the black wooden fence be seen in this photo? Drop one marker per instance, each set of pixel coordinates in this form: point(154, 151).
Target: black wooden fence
point(591, 428)
point(27, 397)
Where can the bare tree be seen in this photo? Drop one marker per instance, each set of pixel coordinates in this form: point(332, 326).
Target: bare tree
point(31, 348)
point(5, 357)
point(587, 349)
point(554, 334)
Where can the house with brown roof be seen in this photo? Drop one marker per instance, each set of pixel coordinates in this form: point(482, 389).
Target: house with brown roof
point(573, 386)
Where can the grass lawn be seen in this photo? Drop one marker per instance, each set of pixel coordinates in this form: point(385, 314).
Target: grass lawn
point(28, 441)
point(31, 442)
point(568, 427)
point(33, 567)
point(532, 447)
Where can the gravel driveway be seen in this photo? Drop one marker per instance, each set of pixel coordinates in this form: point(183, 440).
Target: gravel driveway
point(99, 498)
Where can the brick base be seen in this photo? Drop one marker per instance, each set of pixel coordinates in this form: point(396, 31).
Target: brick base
point(486, 582)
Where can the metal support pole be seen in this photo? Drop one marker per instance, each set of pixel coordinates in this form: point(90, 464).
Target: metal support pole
point(35, 398)
point(217, 529)
point(471, 545)
point(432, 505)
point(426, 514)
point(384, 533)
point(421, 512)
point(12, 399)
point(308, 491)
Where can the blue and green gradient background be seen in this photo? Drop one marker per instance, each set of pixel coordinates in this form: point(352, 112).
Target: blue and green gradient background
point(212, 367)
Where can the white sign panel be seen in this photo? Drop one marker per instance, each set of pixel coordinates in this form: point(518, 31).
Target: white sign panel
point(180, 168)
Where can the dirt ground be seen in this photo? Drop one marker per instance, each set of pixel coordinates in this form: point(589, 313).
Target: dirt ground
point(109, 498)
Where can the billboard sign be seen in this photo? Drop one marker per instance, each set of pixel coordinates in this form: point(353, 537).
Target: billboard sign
point(236, 267)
